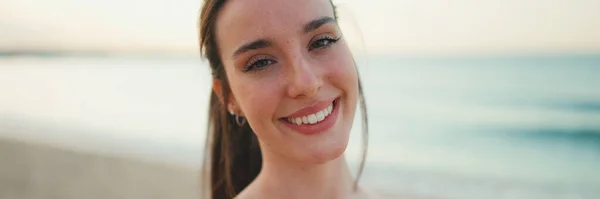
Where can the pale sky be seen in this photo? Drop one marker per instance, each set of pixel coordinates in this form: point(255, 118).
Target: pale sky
point(388, 26)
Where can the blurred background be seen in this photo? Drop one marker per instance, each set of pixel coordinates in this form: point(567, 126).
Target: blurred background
point(466, 99)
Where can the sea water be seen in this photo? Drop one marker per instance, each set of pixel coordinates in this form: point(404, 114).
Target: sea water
point(444, 127)
point(512, 127)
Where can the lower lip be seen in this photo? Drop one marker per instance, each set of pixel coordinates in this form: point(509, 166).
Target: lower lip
point(311, 129)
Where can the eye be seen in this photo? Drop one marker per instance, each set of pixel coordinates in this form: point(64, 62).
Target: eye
point(258, 63)
point(323, 42)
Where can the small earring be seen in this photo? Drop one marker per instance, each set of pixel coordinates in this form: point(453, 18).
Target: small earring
point(240, 120)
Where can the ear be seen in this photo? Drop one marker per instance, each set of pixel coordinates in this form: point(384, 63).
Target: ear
point(217, 89)
point(232, 106)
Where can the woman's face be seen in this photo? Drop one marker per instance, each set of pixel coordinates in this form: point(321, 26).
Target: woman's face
point(291, 75)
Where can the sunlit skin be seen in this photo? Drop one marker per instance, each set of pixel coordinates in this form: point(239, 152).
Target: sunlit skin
point(281, 57)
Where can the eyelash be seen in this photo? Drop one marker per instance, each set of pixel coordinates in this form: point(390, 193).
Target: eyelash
point(258, 63)
point(331, 40)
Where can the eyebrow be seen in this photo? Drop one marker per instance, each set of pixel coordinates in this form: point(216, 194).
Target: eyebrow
point(262, 43)
point(314, 24)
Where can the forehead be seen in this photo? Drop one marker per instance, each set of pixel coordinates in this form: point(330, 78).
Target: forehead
point(241, 21)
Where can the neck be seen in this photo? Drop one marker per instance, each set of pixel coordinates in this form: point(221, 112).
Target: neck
point(279, 179)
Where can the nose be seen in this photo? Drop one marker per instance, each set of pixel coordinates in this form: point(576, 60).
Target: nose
point(304, 80)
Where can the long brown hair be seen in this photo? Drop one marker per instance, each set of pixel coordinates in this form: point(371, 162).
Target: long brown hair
point(232, 157)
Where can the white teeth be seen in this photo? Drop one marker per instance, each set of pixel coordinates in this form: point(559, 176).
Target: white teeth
point(312, 118)
point(304, 119)
point(320, 116)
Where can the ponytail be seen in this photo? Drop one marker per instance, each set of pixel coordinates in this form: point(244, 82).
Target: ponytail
point(233, 154)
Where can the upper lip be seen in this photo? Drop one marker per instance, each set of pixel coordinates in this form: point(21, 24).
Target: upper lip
point(313, 108)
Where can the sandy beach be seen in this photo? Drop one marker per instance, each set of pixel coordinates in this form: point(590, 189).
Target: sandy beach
point(35, 171)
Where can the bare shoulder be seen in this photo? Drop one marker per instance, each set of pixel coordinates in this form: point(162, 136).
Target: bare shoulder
point(247, 194)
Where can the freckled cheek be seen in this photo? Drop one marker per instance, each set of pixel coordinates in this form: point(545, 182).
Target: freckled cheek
point(259, 101)
point(342, 72)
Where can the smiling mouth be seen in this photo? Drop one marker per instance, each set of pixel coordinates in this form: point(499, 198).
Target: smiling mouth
point(314, 118)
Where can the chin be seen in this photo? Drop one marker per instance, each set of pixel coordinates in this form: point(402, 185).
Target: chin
point(326, 153)
point(327, 146)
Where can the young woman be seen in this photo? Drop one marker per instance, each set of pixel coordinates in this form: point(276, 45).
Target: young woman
point(285, 93)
